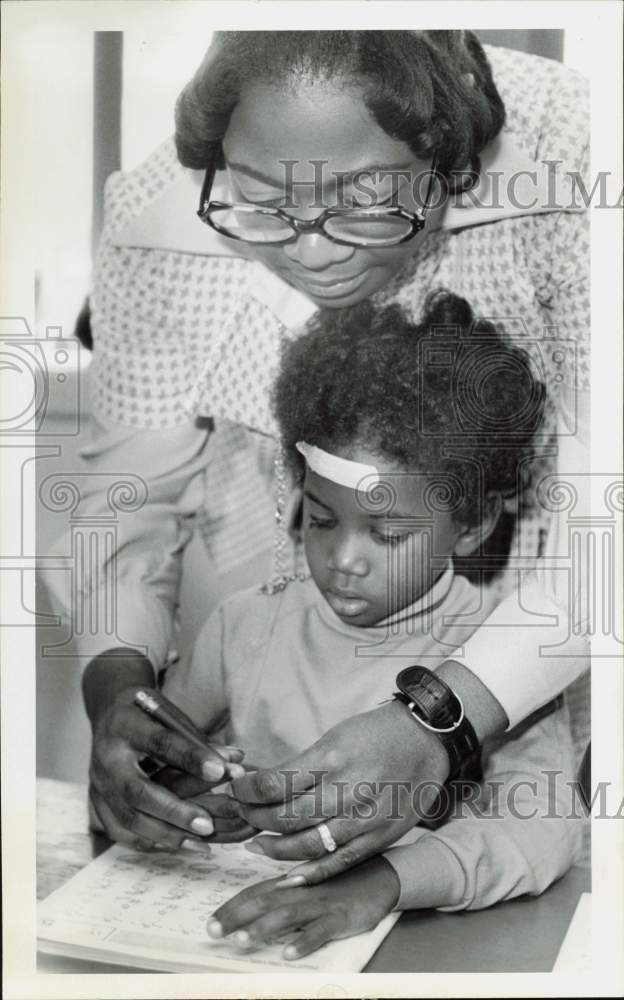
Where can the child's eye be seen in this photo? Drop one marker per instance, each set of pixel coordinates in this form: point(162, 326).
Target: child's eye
point(319, 522)
point(390, 537)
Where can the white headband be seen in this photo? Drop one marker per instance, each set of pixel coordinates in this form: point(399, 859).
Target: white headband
point(355, 475)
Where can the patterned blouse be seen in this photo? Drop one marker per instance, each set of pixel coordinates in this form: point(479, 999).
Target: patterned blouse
point(180, 336)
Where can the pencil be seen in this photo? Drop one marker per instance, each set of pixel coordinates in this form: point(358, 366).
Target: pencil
point(151, 706)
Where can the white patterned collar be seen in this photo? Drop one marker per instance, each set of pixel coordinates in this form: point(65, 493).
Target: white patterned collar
point(170, 221)
point(291, 307)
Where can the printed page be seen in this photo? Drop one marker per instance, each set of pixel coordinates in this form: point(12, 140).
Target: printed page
point(151, 911)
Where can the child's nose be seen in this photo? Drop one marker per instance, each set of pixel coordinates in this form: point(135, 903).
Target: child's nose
point(315, 252)
point(347, 558)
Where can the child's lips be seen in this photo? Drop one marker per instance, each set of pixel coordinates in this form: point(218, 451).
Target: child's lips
point(345, 605)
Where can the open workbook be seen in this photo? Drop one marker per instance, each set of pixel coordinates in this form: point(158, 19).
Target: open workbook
point(150, 911)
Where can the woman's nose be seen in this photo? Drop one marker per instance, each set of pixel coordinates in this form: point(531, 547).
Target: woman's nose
point(315, 252)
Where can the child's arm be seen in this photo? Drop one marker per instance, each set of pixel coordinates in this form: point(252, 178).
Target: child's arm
point(198, 685)
point(199, 688)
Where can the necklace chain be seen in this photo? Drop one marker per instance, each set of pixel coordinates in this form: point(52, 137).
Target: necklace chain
point(280, 575)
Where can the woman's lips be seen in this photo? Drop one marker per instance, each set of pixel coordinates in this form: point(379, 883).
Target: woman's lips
point(345, 606)
point(328, 289)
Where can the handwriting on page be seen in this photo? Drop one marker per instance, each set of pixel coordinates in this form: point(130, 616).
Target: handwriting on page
point(155, 901)
point(151, 910)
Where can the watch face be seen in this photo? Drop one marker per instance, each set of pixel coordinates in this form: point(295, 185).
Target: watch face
point(412, 676)
point(433, 699)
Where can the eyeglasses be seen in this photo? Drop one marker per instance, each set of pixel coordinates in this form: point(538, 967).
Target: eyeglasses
point(359, 227)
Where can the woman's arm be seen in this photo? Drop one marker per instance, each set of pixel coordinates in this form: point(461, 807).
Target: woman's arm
point(520, 831)
point(198, 684)
point(516, 834)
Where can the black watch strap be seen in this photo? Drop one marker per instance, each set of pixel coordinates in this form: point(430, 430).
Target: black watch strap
point(434, 705)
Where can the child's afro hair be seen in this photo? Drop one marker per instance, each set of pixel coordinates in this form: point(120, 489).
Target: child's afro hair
point(446, 396)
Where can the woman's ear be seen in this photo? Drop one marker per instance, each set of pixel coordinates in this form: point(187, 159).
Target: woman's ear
point(473, 537)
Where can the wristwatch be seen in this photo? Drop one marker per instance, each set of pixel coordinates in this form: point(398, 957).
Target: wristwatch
point(436, 707)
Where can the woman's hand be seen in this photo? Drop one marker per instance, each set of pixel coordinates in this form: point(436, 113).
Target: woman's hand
point(309, 916)
point(131, 808)
point(372, 778)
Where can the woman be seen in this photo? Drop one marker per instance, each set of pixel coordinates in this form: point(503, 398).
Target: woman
point(188, 323)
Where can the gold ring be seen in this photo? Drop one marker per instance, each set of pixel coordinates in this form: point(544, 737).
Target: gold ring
point(329, 843)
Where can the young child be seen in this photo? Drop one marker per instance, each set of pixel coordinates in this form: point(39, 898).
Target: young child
point(404, 442)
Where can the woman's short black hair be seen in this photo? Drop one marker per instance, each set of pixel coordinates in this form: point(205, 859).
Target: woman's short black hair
point(431, 89)
point(443, 397)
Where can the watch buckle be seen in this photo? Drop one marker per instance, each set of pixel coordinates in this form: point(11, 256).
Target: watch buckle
point(433, 729)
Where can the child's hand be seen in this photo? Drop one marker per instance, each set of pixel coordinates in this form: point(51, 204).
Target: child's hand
point(229, 824)
point(309, 916)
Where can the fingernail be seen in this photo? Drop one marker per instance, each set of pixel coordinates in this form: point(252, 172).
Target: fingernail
point(254, 847)
point(195, 845)
point(290, 881)
point(212, 770)
point(202, 825)
point(242, 939)
point(232, 750)
point(236, 771)
point(290, 951)
point(214, 929)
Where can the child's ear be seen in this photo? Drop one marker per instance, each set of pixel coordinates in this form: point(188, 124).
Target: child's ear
point(473, 537)
point(293, 515)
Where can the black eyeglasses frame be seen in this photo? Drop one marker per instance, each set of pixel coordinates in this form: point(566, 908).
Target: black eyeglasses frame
point(417, 220)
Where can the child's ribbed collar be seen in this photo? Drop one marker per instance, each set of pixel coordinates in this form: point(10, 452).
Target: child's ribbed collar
point(427, 603)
